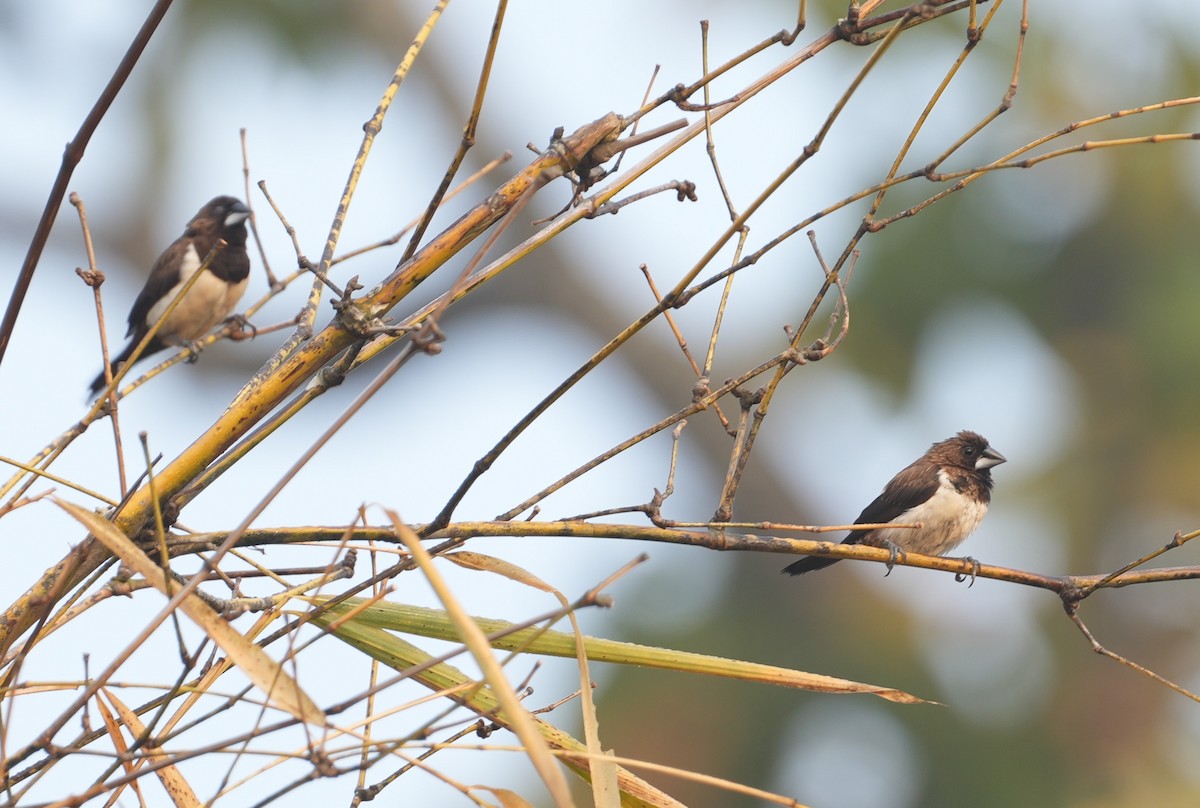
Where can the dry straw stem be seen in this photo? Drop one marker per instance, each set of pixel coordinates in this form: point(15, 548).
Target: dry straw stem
point(36, 472)
point(468, 138)
point(173, 781)
point(603, 775)
point(283, 691)
point(683, 774)
point(515, 714)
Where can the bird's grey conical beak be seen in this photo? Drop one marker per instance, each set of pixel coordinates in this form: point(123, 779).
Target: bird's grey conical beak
point(238, 213)
point(989, 458)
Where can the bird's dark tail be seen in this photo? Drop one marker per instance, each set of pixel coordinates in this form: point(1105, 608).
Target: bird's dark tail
point(118, 360)
point(808, 564)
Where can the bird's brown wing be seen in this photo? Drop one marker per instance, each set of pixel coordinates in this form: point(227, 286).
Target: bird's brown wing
point(911, 487)
point(163, 278)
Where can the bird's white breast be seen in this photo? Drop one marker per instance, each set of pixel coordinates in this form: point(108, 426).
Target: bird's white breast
point(208, 302)
point(948, 518)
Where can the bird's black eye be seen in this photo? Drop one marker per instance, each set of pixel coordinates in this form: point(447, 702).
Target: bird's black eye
point(968, 451)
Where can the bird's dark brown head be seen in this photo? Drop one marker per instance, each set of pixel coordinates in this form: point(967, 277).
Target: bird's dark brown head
point(967, 450)
point(224, 216)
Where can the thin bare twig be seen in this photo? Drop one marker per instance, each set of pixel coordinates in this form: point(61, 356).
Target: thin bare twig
point(468, 138)
point(94, 278)
point(272, 282)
